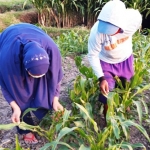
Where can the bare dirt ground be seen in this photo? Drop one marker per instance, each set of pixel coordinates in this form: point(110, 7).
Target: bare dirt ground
point(7, 138)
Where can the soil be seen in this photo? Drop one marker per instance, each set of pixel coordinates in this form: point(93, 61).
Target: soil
point(7, 138)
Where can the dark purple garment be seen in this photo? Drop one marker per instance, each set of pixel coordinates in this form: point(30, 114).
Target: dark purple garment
point(16, 83)
point(123, 70)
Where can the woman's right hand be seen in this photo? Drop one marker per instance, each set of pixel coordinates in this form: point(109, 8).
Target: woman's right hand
point(16, 112)
point(56, 105)
point(104, 88)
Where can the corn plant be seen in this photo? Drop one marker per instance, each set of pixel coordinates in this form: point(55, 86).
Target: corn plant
point(141, 5)
point(106, 139)
point(72, 43)
point(117, 119)
point(130, 94)
point(85, 89)
point(18, 147)
point(124, 96)
point(126, 145)
point(40, 6)
point(58, 124)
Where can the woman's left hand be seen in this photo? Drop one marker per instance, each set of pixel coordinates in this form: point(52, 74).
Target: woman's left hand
point(56, 105)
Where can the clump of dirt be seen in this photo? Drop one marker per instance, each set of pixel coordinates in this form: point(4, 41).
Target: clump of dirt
point(29, 17)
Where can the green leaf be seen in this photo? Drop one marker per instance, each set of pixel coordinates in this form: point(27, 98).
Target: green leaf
point(125, 131)
point(87, 72)
point(67, 145)
point(139, 109)
point(78, 61)
point(127, 145)
point(72, 95)
point(47, 145)
point(86, 112)
point(132, 146)
point(129, 123)
point(65, 131)
point(65, 119)
point(124, 127)
point(58, 126)
point(140, 90)
point(17, 143)
point(145, 106)
point(66, 115)
point(82, 84)
point(79, 124)
point(134, 81)
point(103, 136)
point(83, 134)
point(147, 120)
point(115, 128)
point(28, 110)
point(116, 100)
point(7, 126)
point(82, 147)
point(137, 145)
point(88, 107)
point(128, 102)
point(62, 133)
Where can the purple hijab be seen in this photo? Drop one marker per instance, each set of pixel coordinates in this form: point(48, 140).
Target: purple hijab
point(35, 62)
point(26, 47)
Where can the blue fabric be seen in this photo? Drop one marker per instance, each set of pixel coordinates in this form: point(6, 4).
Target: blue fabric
point(14, 78)
point(107, 28)
point(35, 59)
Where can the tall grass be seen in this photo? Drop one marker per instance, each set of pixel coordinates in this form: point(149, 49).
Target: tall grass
point(11, 2)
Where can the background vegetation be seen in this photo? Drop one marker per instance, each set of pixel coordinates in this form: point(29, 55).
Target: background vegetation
point(65, 13)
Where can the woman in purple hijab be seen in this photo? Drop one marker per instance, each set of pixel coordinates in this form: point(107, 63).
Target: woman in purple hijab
point(30, 73)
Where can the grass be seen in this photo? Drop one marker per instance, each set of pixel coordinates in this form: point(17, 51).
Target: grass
point(54, 32)
point(16, 5)
point(8, 18)
point(11, 2)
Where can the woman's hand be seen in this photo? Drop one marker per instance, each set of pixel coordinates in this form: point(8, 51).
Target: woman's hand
point(56, 105)
point(104, 88)
point(16, 112)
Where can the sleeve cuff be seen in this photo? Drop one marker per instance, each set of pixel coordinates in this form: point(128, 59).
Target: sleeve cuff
point(101, 79)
